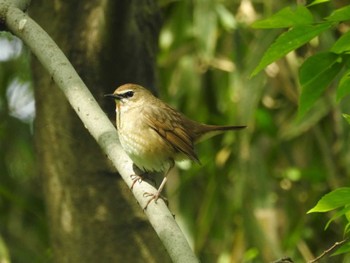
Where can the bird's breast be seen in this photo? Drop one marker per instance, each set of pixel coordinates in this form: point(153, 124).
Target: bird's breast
point(146, 148)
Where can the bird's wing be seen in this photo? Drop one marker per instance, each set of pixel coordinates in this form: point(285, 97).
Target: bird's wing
point(166, 122)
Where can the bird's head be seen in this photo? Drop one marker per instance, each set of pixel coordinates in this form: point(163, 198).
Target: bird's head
point(130, 94)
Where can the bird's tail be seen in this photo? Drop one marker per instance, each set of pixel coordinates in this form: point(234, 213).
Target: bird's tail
point(208, 131)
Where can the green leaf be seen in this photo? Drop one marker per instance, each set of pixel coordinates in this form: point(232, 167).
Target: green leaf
point(338, 214)
point(347, 117)
point(335, 199)
point(341, 14)
point(342, 44)
point(289, 41)
point(315, 75)
point(316, 2)
point(344, 86)
point(287, 17)
point(347, 227)
point(343, 249)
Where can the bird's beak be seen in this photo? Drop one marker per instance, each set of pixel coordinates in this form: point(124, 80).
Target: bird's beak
point(114, 96)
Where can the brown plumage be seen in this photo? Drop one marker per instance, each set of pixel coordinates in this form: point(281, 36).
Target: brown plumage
point(154, 134)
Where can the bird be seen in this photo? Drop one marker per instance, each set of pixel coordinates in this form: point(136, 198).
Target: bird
point(154, 135)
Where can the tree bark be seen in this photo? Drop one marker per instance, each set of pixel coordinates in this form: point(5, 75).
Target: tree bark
point(92, 214)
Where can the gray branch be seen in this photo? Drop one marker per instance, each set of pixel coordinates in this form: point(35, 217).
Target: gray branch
point(94, 119)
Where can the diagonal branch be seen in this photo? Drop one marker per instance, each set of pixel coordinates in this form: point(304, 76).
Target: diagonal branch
point(329, 250)
point(94, 119)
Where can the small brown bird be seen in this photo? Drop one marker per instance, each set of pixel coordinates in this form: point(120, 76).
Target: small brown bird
point(154, 135)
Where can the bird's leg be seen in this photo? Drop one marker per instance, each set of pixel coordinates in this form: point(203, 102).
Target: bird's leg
point(160, 189)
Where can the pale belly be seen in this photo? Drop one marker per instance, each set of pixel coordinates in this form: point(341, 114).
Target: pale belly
point(147, 149)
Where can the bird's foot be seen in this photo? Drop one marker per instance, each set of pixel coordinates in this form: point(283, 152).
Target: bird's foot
point(139, 178)
point(135, 178)
point(154, 197)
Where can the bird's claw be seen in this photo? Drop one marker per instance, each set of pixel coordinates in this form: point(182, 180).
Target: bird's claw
point(139, 178)
point(135, 178)
point(154, 197)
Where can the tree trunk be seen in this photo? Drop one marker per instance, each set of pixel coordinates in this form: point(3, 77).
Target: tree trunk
point(92, 214)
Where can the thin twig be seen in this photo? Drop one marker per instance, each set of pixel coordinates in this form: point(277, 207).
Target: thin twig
point(336, 244)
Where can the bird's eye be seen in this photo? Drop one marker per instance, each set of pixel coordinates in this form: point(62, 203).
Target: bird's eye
point(128, 94)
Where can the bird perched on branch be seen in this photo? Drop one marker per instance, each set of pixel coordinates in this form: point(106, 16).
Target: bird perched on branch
point(154, 135)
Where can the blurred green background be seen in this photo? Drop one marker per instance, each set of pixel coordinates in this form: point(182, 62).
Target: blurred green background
point(248, 200)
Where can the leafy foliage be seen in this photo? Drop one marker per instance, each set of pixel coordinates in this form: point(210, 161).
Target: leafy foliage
point(315, 75)
point(319, 70)
point(337, 199)
point(290, 40)
point(266, 178)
